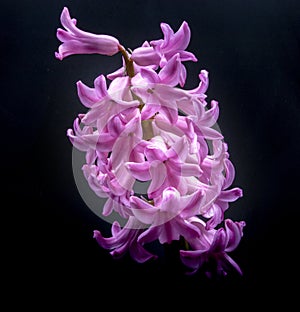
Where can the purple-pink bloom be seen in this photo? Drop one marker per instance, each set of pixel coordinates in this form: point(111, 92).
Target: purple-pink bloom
point(213, 246)
point(174, 43)
point(159, 52)
point(171, 74)
point(164, 167)
point(168, 54)
point(167, 216)
point(89, 96)
point(217, 210)
point(77, 41)
point(143, 127)
point(124, 240)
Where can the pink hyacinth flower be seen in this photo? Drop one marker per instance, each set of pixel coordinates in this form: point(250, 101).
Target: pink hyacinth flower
point(145, 129)
point(124, 240)
point(77, 41)
point(214, 245)
point(159, 52)
point(167, 217)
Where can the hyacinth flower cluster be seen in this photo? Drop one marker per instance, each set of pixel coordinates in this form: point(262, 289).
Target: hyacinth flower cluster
point(141, 125)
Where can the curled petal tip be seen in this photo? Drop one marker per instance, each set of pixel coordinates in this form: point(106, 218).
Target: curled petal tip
point(95, 233)
point(58, 56)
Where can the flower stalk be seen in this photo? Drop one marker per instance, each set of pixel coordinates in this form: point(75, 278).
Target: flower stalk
point(148, 132)
point(128, 62)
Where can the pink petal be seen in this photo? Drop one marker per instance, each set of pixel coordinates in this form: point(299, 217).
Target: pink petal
point(231, 195)
point(142, 210)
point(177, 41)
point(170, 202)
point(108, 207)
point(179, 150)
point(140, 254)
point(229, 173)
point(150, 75)
point(203, 85)
point(168, 233)
point(191, 204)
point(234, 232)
point(219, 241)
point(168, 34)
point(170, 74)
point(187, 56)
point(144, 56)
point(87, 95)
point(100, 86)
point(149, 235)
point(182, 75)
point(210, 117)
point(188, 170)
point(158, 173)
point(139, 171)
point(182, 37)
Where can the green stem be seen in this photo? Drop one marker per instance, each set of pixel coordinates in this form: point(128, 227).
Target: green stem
point(147, 129)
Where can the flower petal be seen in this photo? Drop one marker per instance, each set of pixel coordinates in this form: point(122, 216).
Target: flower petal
point(144, 56)
point(140, 171)
point(143, 211)
point(158, 173)
point(234, 232)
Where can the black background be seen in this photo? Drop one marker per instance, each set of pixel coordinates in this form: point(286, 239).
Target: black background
point(251, 50)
